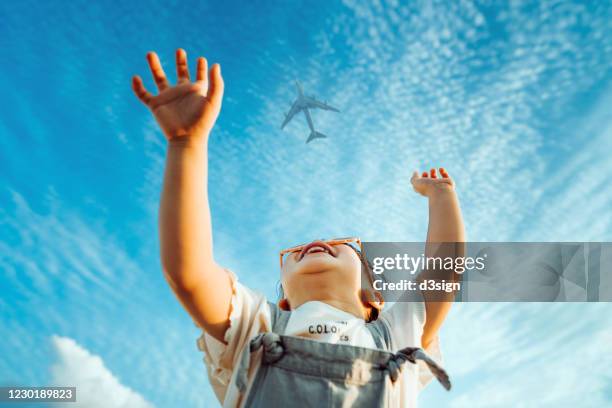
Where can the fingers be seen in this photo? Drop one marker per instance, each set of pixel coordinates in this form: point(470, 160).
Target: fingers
point(212, 81)
point(216, 87)
point(432, 173)
point(140, 90)
point(202, 69)
point(156, 69)
point(182, 70)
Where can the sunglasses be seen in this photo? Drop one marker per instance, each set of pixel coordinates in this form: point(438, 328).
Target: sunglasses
point(351, 241)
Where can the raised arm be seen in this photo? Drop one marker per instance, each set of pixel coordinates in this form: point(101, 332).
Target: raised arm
point(186, 113)
point(445, 238)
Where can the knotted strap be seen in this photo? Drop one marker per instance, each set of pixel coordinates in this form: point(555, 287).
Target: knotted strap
point(273, 351)
point(413, 354)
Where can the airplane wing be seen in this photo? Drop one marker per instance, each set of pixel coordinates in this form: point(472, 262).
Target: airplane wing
point(313, 103)
point(294, 109)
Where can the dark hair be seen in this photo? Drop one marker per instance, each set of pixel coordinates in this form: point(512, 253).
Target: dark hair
point(365, 266)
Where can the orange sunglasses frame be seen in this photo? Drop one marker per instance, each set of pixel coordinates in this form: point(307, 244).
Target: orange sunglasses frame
point(333, 241)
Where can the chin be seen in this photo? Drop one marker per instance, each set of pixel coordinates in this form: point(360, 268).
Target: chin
point(315, 265)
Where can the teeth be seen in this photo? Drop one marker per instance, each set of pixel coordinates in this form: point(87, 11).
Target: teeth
point(316, 249)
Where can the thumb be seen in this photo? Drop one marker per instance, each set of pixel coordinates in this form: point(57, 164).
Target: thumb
point(216, 87)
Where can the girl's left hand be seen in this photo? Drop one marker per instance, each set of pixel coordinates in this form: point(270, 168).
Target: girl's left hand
point(428, 183)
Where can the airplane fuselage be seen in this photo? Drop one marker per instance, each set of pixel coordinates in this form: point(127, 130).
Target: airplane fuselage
point(304, 103)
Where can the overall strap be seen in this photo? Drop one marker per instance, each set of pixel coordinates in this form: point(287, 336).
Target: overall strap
point(380, 334)
point(279, 318)
point(270, 340)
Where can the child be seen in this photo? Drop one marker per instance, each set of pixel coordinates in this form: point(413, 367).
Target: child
point(323, 298)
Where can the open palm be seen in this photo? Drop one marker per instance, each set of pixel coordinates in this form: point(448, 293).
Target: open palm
point(425, 183)
point(188, 109)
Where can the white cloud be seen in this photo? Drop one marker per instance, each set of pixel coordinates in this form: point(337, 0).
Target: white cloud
point(95, 385)
point(67, 273)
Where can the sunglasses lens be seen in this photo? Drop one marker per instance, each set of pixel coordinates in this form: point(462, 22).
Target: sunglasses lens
point(350, 241)
point(287, 255)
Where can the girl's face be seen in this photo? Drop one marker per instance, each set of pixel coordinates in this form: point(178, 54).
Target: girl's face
point(322, 272)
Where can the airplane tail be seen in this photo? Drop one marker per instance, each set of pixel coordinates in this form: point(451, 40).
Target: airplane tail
point(315, 135)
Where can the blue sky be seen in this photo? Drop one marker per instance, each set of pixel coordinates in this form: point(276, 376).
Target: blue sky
point(513, 98)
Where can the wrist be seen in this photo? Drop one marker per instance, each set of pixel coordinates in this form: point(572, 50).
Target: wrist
point(188, 142)
point(442, 190)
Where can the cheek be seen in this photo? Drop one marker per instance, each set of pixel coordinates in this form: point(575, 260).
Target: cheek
point(350, 265)
point(288, 270)
point(285, 272)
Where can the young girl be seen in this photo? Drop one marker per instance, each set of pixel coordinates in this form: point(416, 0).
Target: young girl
point(323, 296)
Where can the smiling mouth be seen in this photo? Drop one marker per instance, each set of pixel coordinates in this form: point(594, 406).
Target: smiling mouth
point(316, 248)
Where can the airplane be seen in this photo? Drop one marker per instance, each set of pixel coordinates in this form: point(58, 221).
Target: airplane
point(302, 104)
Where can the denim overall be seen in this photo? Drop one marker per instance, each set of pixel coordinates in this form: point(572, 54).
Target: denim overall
point(297, 371)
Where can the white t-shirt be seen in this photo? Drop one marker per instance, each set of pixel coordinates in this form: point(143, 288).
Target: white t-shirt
point(320, 321)
point(316, 320)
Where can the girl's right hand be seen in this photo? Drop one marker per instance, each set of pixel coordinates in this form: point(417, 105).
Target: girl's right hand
point(189, 109)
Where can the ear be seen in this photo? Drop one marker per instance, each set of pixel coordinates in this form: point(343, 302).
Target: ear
point(284, 305)
point(372, 298)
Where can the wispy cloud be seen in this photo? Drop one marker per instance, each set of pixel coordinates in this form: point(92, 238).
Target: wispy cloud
point(529, 355)
point(419, 86)
point(577, 190)
point(44, 250)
